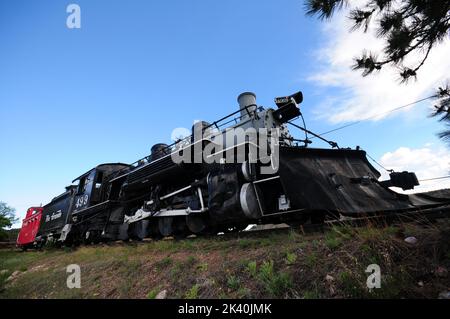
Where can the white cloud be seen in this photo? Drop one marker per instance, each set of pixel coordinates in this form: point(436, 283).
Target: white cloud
point(362, 97)
point(427, 162)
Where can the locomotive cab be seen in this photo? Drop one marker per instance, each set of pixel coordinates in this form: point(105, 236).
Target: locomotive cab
point(93, 185)
point(96, 211)
point(88, 189)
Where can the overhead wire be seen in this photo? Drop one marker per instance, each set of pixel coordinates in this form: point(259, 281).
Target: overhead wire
point(376, 115)
point(433, 178)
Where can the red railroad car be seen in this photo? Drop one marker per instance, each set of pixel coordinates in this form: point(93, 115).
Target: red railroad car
point(30, 227)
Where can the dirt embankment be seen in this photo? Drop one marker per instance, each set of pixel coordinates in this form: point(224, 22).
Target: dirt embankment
point(282, 265)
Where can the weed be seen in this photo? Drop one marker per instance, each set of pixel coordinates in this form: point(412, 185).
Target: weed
point(311, 259)
point(302, 244)
point(391, 230)
point(188, 245)
point(192, 293)
point(243, 292)
point(365, 248)
point(191, 260)
point(69, 249)
point(275, 283)
point(332, 242)
point(344, 231)
point(350, 285)
point(245, 243)
point(176, 269)
point(315, 243)
point(392, 286)
point(202, 267)
point(233, 282)
point(311, 294)
point(266, 270)
point(153, 293)
point(290, 258)
point(294, 236)
point(369, 233)
point(125, 288)
point(163, 263)
point(279, 284)
point(223, 295)
point(252, 269)
point(3, 277)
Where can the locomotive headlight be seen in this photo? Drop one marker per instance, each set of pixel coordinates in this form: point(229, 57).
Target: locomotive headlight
point(288, 107)
point(296, 98)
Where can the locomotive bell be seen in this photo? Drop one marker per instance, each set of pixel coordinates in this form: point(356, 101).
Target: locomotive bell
point(247, 104)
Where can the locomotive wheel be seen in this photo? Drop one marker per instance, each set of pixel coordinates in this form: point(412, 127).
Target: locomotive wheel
point(87, 238)
point(139, 230)
point(123, 232)
point(165, 226)
point(97, 237)
point(196, 224)
point(180, 228)
point(153, 230)
point(142, 229)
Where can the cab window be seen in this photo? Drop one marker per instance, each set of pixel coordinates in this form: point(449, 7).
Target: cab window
point(81, 185)
point(98, 180)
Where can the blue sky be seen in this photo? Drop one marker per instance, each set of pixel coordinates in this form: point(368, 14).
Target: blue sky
point(73, 98)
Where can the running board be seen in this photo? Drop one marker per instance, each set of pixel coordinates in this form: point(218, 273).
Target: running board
point(141, 214)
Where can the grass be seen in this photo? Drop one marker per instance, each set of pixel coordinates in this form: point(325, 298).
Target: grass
point(252, 269)
point(163, 263)
point(276, 283)
point(311, 259)
point(177, 269)
point(350, 285)
point(243, 293)
point(191, 260)
point(153, 293)
point(281, 265)
point(332, 242)
point(203, 267)
point(192, 293)
point(290, 258)
point(3, 276)
point(311, 294)
point(233, 282)
point(245, 243)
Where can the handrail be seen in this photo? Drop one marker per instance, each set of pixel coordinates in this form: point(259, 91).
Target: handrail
point(169, 147)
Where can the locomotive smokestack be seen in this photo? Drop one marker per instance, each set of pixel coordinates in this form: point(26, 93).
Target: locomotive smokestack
point(247, 104)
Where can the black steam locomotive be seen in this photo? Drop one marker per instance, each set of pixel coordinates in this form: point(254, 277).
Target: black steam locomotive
point(243, 169)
